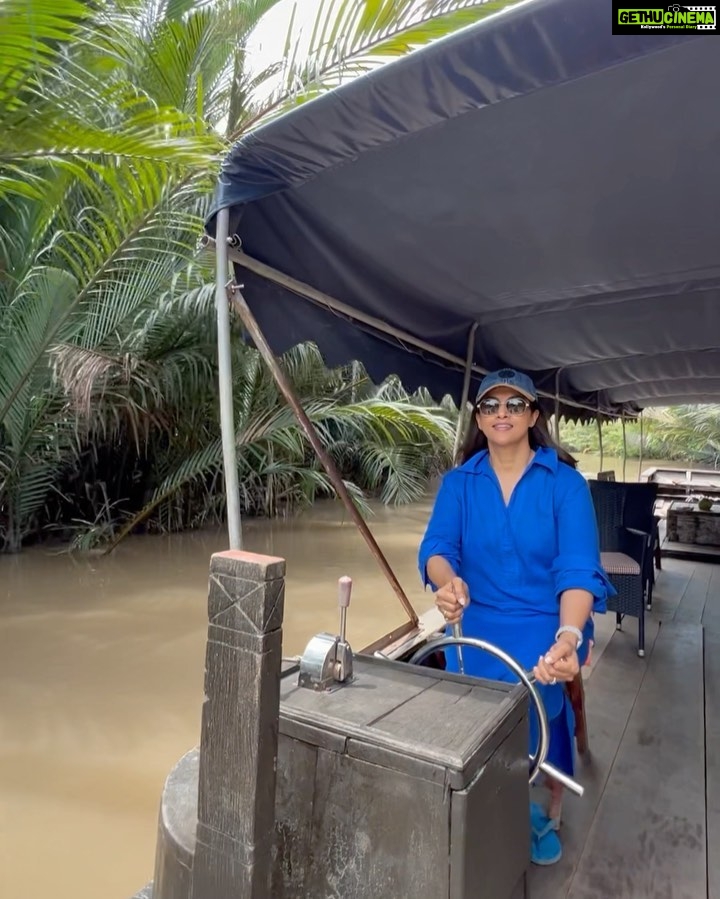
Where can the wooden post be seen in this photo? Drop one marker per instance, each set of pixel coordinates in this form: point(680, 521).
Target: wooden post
point(238, 746)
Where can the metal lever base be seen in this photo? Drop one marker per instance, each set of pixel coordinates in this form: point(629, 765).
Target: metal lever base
point(327, 663)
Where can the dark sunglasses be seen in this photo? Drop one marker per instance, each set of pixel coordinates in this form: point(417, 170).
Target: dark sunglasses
point(515, 405)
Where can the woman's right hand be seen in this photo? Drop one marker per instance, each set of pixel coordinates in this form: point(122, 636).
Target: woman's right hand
point(451, 600)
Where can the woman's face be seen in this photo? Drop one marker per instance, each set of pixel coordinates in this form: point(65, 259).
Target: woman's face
point(505, 417)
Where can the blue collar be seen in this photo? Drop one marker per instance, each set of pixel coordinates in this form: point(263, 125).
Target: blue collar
point(480, 462)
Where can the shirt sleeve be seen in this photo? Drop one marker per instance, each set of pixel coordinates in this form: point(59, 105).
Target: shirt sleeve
point(443, 535)
point(577, 565)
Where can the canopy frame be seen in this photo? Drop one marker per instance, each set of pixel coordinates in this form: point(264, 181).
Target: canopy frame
point(407, 340)
point(236, 298)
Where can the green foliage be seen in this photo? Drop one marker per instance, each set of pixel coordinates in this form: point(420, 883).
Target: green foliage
point(111, 116)
point(682, 433)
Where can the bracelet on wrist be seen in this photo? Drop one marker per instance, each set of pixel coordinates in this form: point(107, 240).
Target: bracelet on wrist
point(570, 629)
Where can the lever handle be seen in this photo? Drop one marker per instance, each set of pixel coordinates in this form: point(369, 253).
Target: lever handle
point(344, 590)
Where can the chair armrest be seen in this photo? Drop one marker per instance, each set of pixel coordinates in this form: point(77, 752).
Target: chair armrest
point(635, 544)
point(639, 532)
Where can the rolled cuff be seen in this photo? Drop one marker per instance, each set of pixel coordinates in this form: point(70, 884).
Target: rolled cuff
point(581, 573)
point(437, 548)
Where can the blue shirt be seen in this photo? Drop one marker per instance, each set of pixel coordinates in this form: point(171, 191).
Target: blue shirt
point(517, 560)
point(520, 557)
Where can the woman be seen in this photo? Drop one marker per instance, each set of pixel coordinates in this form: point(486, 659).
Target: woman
point(511, 549)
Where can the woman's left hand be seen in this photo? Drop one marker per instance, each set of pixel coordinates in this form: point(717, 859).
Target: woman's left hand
point(560, 663)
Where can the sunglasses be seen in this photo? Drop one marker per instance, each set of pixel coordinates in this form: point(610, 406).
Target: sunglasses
point(515, 405)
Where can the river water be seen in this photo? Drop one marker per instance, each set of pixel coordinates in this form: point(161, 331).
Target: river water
point(101, 680)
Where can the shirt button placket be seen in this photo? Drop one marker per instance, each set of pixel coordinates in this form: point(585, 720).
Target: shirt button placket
point(509, 556)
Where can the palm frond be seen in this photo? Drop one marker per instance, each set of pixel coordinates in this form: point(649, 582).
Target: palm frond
point(396, 473)
point(351, 37)
point(199, 464)
point(116, 261)
point(39, 304)
point(32, 36)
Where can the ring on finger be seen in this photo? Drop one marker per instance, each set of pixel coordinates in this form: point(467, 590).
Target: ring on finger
point(553, 682)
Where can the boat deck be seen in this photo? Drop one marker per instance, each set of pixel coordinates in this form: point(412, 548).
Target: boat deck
point(651, 810)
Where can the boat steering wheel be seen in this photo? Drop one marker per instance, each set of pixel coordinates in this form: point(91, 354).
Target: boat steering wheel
point(538, 760)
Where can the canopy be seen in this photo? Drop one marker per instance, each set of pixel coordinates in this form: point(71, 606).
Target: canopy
point(533, 174)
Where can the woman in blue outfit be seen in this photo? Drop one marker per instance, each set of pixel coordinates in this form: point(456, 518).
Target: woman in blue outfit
point(511, 549)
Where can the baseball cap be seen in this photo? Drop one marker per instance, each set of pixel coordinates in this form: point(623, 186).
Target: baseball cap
point(508, 377)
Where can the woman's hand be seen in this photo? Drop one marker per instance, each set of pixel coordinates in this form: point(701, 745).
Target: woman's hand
point(451, 599)
point(560, 662)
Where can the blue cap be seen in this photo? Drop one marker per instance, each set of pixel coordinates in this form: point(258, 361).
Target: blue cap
point(508, 377)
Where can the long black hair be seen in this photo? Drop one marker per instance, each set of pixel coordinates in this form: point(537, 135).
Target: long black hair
point(539, 435)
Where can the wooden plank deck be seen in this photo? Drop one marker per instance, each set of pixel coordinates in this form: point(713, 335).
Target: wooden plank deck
point(650, 817)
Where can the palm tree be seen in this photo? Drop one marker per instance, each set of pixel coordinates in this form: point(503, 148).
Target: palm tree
point(114, 117)
point(690, 432)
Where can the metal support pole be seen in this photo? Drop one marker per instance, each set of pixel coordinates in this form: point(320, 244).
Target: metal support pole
point(227, 422)
point(457, 633)
point(599, 427)
point(642, 440)
point(622, 419)
point(243, 310)
point(462, 411)
point(557, 405)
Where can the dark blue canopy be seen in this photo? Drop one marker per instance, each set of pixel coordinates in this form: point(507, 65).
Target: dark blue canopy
point(533, 174)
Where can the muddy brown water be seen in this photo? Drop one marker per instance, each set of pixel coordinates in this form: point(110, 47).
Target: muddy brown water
point(101, 670)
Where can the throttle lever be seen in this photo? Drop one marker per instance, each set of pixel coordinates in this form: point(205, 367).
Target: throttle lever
point(327, 662)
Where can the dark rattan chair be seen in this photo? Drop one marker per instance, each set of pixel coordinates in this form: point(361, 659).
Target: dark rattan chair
point(625, 524)
point(639, 518)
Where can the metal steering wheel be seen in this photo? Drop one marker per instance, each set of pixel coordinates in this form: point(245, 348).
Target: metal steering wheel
point(538, 761)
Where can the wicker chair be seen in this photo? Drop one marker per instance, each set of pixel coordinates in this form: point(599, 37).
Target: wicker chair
point(639, 518)
point(625, 524)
